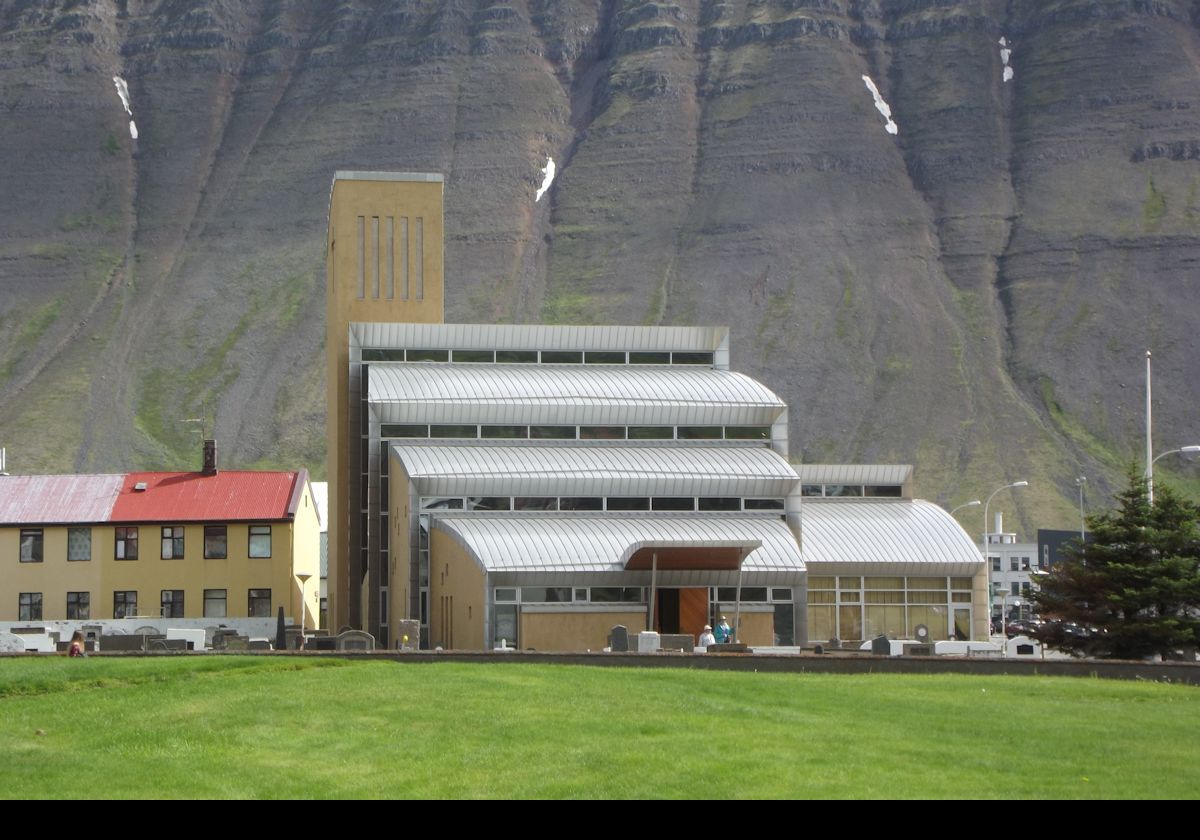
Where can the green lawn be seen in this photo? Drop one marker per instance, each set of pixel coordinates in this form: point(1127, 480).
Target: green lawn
point(259, 727)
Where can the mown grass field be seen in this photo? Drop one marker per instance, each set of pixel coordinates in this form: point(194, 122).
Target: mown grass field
point(257, 727)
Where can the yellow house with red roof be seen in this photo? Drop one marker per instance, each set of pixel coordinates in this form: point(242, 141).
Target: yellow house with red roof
point(213, 544)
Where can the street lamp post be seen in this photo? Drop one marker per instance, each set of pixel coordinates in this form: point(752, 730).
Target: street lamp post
point(1189, 451)
point(987, 565)
point(971, 503)
point(1080, 482)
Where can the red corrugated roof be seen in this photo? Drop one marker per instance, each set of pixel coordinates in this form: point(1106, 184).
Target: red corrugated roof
point(194, 497)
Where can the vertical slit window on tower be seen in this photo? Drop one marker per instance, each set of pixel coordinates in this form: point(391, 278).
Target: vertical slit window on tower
point(391, 257)
point(419, 257)
point(375, 257)
point(404, 258)
point(362, 258)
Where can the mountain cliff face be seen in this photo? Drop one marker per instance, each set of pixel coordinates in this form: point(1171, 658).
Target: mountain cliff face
point(973, 293)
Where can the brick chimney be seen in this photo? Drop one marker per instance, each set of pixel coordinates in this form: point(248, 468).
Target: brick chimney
point(210, 458)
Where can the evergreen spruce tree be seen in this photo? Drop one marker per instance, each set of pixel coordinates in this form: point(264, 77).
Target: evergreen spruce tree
point(1134, 589)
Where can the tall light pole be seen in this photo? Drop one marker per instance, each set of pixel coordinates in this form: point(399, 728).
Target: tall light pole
point(1149, 434)
point(971, 503)
point(1080, 483)
point(1189, 451)
point(987, 564)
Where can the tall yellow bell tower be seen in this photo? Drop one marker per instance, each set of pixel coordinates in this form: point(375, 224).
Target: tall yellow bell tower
point(383, 264)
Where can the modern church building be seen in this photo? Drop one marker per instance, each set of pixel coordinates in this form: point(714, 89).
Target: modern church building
point(533, 486)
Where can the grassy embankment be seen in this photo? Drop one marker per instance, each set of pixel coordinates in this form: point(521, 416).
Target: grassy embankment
point(259, 727)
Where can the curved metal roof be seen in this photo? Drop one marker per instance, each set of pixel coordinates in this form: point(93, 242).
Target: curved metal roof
point(587, 469)
point(429, 392)
point(854, 473)
point(536, 336)
point(603, 544)
point(885, 538)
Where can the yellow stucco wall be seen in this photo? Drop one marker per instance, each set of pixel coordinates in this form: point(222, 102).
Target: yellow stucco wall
point(457, 595)
point(294, 549)
point(758, 628)
point(399, 549)
point(576, 630)
point(370, 199)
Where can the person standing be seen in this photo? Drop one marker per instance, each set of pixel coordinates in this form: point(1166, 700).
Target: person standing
point(706, 637)
point(723, 632)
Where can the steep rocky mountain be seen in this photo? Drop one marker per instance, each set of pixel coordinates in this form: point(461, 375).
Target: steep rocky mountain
point(973, 293)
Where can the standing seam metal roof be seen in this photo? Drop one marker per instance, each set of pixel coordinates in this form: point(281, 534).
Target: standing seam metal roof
point(604, 543)
point(428, 392)
point(535, 336)
point(582, 469)
point(893, 537)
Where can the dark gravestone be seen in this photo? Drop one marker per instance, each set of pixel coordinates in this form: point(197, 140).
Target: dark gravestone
point(320, 643)
point(677, 641)
point(281, 632)
point(881, 646)
point(618, 639)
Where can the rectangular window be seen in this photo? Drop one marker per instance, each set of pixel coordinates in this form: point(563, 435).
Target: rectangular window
point(124, 604)
point(886, 491)
point(552, 432)
point(31, 545)
point(172, 542)
point(535, 503)
point(172, 603)
point(29, 606)
point(477, 356)
point(509, 432)
point(403, 430)
point(1025, 564)
point(649, 357)
point(601, 432)
point(79, 544)
point(258, 604)
point(680, 358)
point(651, 432)
point(1013, 564)
point(673, 503)
point(489, 503)
point(699, 433)
point(216, 542)
point(604, 357)
point(517, 357)
point(126, 543)
point(454, 431)
point(812, 490)
point(562, 357)
point(428, 355)
point(747, 433)
point(1016, 588)
point(995, 564)
point(214, 603)
point(628, 503)
point(581, 503)
point(762, 504)
point(79, 605)
point(715, 503)
point(260, 540)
